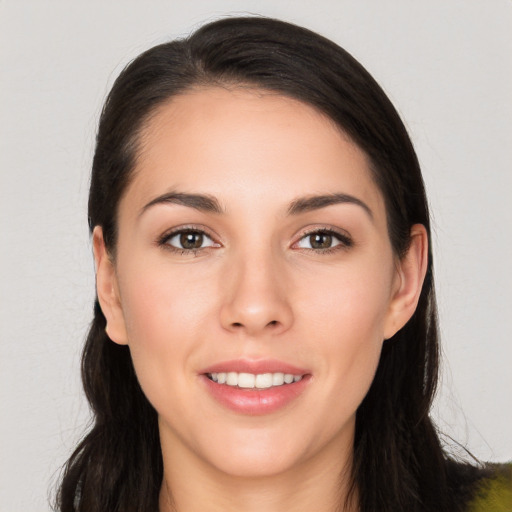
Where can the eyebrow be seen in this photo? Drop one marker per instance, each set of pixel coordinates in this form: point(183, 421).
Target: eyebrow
point(311, 203)
point(210, 204)
point(201, 202)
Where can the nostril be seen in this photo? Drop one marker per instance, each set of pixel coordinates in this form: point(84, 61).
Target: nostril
point(272, 323)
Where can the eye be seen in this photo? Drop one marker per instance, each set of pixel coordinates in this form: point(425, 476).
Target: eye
point(188, 240)
point(323, 240)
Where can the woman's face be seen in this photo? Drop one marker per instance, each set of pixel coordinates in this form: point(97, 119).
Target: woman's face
point(252, 246)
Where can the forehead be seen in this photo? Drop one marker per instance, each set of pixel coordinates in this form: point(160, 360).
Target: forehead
point(245, 145)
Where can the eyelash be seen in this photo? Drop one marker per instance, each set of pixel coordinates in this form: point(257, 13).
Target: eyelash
point(163, 241)
point(345, 242)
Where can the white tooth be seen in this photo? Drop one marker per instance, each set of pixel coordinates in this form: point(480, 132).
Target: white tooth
point(249, 380)
point(288, 378)
point(264, 380)
point(246, 380)
point(278, 379)
point(232, 379)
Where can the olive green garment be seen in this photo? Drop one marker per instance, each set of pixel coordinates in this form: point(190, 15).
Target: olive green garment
point(495, 493)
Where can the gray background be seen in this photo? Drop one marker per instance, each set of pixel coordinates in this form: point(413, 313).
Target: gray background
point(446, 64)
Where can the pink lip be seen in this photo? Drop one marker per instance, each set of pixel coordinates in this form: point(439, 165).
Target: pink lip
point(255, 401)
point(255, 366)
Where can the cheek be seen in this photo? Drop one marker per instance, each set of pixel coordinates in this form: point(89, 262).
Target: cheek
point(163, 306)
point(347, 316)
point(165, 317)
point(352, 302)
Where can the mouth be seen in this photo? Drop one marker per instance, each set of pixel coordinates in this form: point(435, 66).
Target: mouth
point(255, 387)
point(244, 380)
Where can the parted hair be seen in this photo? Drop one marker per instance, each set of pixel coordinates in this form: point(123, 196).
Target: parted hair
point(399, 462)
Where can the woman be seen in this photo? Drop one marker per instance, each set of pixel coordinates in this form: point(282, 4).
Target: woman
point(265, 332)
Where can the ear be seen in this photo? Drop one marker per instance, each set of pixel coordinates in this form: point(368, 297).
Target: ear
point(107, 289)
point(411, 271)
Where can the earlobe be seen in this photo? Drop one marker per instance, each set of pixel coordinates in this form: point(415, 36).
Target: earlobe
point(107, 289)
point(411, 270)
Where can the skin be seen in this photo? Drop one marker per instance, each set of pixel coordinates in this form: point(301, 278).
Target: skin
point(255, 290)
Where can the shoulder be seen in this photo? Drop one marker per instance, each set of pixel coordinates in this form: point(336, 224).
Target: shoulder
point(494, 492)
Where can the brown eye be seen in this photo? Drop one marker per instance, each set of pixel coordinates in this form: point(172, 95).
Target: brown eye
point(191, 240)
point(188, 240)
point(320, 241)
point(323, 240)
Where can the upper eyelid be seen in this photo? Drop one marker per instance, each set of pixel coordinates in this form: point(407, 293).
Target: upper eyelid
point(188, 227)
point(323, 229)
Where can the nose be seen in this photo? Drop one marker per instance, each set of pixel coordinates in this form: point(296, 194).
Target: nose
point(256, 297)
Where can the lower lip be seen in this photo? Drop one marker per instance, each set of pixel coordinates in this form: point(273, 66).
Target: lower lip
point(256, 401)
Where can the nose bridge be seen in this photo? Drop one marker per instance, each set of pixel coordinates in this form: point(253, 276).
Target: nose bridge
point(256, 297)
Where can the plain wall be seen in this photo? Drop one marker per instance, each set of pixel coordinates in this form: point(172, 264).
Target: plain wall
point(447, 66)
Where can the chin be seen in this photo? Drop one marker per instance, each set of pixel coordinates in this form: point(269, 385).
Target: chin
point(257, 467)
point(256, 456)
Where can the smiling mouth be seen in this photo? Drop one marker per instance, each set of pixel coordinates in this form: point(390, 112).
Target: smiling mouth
point(254, 381)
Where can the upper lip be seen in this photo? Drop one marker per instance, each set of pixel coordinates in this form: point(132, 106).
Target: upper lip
point(255, 367)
